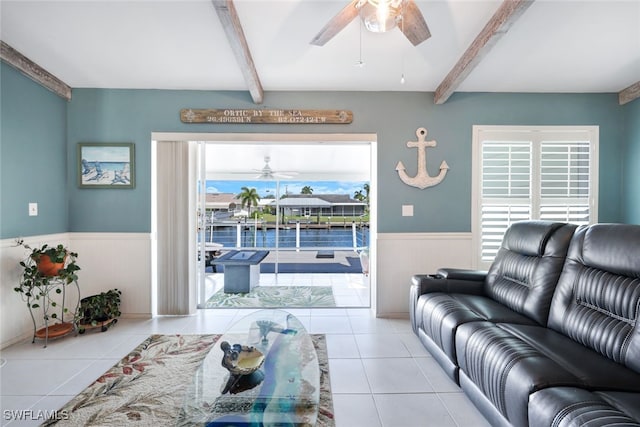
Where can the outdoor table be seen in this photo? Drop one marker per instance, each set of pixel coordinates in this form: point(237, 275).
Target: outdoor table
point(241, 270)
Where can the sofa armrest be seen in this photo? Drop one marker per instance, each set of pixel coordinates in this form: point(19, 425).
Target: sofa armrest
point(462, 274)
point(450, 281)
point(446, 280)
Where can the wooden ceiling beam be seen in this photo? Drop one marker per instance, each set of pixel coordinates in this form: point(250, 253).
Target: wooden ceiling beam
point(629, 94)
point(233, 29)
point(508, 13)
point(337, 23)
point(34, 71)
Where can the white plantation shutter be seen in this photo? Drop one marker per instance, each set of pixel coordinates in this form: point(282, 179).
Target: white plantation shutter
point(564, 181)
point(531, 173)
point(495, 221)
point(506, 189)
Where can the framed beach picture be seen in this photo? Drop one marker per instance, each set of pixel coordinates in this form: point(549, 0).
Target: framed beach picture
point(106, 165)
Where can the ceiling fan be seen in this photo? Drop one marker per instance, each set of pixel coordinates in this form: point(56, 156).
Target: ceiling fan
point(267, 173)
point(379, 16)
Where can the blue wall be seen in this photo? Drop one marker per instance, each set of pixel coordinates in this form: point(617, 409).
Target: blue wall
point(33, 157)
point(631, 195)
point(40, 133)
point(131, 115)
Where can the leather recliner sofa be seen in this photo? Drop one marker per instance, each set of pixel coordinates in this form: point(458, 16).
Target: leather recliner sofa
point(549, 335)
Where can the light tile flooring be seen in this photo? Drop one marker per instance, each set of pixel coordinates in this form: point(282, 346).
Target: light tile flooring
point(349, 289)
point(380, 373)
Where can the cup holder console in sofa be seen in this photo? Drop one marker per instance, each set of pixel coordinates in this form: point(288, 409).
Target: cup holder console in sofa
point(548, 336)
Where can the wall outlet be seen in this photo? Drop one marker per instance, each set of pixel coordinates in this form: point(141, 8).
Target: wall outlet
point(407, 210)
point(33, 209)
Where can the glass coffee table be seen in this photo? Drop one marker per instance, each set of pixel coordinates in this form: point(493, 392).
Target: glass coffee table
point(284, 390)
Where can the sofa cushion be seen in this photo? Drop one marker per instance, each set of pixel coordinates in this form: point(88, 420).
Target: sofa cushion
point(441, 314)
point(526, 269)
point(595, 371)
point(613, 248)
point(505, 368)
point(597, 299)
point(629, 403)
point(508, 362)
point(574, 407)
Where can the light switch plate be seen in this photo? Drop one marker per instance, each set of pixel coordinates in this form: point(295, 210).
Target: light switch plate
point(407, 210)
point(33, 209)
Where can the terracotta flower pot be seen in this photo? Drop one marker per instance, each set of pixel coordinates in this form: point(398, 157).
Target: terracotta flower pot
point(48, 268)
point(55, 331)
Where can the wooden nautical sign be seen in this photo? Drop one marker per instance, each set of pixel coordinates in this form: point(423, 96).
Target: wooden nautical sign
point(260, 116)
point(422, 179)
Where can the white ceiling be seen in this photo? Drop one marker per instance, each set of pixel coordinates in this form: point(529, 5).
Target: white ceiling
point(556, 46)
point(312, 161)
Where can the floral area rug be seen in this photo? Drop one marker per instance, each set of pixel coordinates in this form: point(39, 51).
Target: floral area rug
point(276, 297)
point(147, 387)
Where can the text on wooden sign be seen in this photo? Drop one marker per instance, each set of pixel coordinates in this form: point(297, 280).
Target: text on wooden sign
point(262, 116)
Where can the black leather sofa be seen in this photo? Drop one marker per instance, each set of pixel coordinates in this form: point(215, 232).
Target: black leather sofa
point(549, 336)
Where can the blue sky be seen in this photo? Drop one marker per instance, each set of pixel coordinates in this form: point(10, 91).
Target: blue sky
point(266, 188)
point(105, 154)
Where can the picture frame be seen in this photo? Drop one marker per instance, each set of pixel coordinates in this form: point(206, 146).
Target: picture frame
point(106, 165)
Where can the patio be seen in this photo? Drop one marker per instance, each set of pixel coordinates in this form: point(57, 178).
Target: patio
point(350, 287)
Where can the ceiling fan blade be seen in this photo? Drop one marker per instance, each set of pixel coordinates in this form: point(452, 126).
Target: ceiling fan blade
point(337, 23)
point(274, 175)
point(286, 175)
point(413, 25)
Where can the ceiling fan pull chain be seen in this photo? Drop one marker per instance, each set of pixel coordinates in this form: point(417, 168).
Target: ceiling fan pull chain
point(360, 62)
point(402, 9)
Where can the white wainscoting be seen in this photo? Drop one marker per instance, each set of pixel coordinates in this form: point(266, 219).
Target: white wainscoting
point(401, 255)
point(116, 260)
point(107, 260)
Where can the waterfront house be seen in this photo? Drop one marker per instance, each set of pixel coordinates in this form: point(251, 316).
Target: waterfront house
point(316, 205)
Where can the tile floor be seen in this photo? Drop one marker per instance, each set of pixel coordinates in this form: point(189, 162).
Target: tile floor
point(380, 373)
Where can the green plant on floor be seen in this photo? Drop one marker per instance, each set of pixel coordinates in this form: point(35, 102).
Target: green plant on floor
point(99, 309)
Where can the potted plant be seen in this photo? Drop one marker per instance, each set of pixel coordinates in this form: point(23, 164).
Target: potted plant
point(50, 260)
point(47, 271)
point(101, 310)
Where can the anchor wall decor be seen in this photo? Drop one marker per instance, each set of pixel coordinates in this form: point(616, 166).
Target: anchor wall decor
point(422, 179)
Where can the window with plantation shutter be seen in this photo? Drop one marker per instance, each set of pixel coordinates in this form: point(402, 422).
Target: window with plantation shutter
point(525, 173)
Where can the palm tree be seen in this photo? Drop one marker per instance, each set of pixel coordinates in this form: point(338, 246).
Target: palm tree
point(306, 190)
point(248, 197)
point(363, 197)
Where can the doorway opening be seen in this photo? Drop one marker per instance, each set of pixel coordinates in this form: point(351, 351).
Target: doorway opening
point(314, 214)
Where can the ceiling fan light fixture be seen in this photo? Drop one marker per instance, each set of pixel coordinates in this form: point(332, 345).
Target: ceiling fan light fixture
point(266, 172)
point(394, 4)
point(414, 26)
point(380, 16)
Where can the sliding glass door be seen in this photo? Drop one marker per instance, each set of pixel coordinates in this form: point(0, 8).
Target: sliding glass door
point(307, 203)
